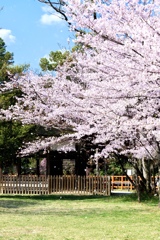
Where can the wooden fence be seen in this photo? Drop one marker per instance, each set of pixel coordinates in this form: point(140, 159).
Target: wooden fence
point(30, 184)
point(80, 184)
point(121, 182)
point(23, 184)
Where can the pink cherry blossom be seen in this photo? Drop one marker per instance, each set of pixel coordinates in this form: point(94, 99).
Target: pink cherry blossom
point(110, 89)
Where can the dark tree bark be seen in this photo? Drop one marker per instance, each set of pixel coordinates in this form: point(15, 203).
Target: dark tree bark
point(18, 166)
point(58, 7)
point(37, 167)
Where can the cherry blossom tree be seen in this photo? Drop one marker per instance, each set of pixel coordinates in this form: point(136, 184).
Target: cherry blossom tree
point(124, 53)
point(110, 89)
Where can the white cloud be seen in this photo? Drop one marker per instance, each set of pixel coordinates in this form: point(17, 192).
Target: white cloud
point(49, 17)
point(7, 36)
point(47, 9)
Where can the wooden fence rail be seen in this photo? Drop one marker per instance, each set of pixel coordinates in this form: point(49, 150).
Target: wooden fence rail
point(30, 184)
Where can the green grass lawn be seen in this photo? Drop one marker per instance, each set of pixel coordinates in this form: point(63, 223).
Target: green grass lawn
point(78, 218)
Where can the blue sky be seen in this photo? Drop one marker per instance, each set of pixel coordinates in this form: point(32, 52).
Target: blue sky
point(31, 32)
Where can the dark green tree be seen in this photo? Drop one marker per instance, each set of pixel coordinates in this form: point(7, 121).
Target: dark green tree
point(7, 69)
point(6, 59)
point(12, 134)
point(56, 59)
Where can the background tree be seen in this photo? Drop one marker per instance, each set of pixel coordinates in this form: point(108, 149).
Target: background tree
point(12, 134)
point(7, 69)
point(55, 59)
point(6, 59)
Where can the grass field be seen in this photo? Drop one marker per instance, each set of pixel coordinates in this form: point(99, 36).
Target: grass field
point(78, 218)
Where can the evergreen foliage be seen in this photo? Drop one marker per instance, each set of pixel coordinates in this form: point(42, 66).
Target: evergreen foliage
point(56, 59)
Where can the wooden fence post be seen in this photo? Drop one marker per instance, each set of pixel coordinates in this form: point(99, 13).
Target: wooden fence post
point(49, 184)
point(109, 186)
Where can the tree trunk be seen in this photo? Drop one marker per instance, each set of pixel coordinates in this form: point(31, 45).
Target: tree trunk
point(154, 180)
point(158, 185)
point(37, 167)
point(48, 165)
point(18, 166)
point(137, 186)
point(147, 174)
point(0, 179)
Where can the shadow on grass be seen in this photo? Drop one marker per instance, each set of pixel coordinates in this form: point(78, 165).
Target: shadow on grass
point(132, 197)
point(18, 201)
point(24, 200)
point(71, 197)
point(15, 202)
point(53, 197)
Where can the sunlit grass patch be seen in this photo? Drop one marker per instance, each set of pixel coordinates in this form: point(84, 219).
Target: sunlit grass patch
point(65, 217)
